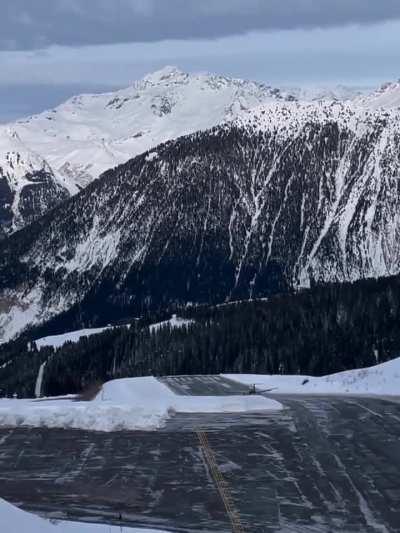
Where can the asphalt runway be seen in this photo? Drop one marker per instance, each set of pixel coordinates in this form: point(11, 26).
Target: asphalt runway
point(324, 464)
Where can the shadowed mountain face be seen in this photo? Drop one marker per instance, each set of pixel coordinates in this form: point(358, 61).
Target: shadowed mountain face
point(28, 187)
point(288, 196)
point(39, 193)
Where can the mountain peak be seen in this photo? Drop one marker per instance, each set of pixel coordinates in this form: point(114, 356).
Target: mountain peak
point(387, 96)
point(89, 134)
point(166, 74)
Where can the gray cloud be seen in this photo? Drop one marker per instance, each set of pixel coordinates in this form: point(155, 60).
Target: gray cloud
point(35, 24)
point(345, 54)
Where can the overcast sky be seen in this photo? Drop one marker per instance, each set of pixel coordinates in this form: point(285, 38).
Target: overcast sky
point(51, 49)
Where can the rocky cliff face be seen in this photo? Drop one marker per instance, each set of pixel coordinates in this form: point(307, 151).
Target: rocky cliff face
point(288, 195)
point(28, 187)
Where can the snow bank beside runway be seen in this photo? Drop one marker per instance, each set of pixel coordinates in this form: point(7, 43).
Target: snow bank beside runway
point(14, 519)
point(153, 394)
point(381, 380)
point(124, 404)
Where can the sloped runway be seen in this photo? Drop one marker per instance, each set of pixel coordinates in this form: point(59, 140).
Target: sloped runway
point(324, 464)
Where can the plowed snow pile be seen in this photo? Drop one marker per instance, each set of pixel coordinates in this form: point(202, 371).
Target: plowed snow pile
point(123, 404)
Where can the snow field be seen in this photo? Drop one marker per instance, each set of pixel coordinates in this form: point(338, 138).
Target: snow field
point(380, 380)
point(57, 341)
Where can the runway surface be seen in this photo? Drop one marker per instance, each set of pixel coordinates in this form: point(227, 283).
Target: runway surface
point(324, 464)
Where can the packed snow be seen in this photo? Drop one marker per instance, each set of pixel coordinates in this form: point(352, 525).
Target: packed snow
point(14, 519)
point(381, 380)
point(123, 404)
point(57, 341)
point(173, 322)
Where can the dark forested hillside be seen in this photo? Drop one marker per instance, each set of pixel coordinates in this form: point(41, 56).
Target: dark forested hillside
point(318, 331)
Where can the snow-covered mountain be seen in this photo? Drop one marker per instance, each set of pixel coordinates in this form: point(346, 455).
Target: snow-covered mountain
point(91, 133)
point(338, 93)
point(28, 186)
point(286, 195)
point(386, 97)
point(71, 145)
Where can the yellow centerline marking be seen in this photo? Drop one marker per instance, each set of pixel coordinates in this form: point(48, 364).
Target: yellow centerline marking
point(221, 483)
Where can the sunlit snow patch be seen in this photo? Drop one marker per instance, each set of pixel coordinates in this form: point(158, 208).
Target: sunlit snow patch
point(57, 341)
point(383, 379)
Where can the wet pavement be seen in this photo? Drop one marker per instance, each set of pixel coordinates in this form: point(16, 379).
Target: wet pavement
point(324, 464)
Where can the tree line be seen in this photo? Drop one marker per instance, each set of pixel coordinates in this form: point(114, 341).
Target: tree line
point(319, 331)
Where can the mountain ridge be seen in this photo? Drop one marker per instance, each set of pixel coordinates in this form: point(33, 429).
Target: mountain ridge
point(244, 210)
point(91, 133)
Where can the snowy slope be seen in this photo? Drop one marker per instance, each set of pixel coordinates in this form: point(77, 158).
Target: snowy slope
point(56, 341)
point(91, 133)
point(349, 230)
point(385, 97)
point(338, 93)
point(14, 519)
point(28, 186)
point(124, 404)
point(383, 379)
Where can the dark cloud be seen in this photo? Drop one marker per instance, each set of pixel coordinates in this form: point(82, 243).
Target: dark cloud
point(35, 24)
